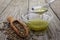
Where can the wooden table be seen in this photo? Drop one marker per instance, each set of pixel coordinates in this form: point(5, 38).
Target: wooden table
point(56, 7)
point(16, 8)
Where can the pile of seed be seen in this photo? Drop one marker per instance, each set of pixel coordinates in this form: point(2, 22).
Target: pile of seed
point(11, 35)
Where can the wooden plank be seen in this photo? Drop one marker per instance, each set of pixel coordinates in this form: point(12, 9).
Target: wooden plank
point(56, 21)
point(14, 8)
point(52, 26)
point(56, 7)
point(55, 25)
point(3, 5)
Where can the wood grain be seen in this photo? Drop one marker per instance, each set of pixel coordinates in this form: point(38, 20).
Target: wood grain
point(16, 8)
point(3, 5)
point(56, 8)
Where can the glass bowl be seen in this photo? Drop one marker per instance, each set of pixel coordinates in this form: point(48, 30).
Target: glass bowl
point(36, 22)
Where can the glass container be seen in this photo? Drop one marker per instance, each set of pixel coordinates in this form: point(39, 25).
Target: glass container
point(38, 17)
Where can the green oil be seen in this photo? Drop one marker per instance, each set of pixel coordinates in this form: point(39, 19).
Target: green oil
point(37, 24)
point(41, 10)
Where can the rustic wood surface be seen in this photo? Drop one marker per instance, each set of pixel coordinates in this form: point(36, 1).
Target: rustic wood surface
point(56, 8)
point(16, 8)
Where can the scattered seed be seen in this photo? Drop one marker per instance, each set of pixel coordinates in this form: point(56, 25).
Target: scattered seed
point(13, 36)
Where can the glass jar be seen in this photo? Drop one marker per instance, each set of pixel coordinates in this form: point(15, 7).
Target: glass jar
point(38, 17)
